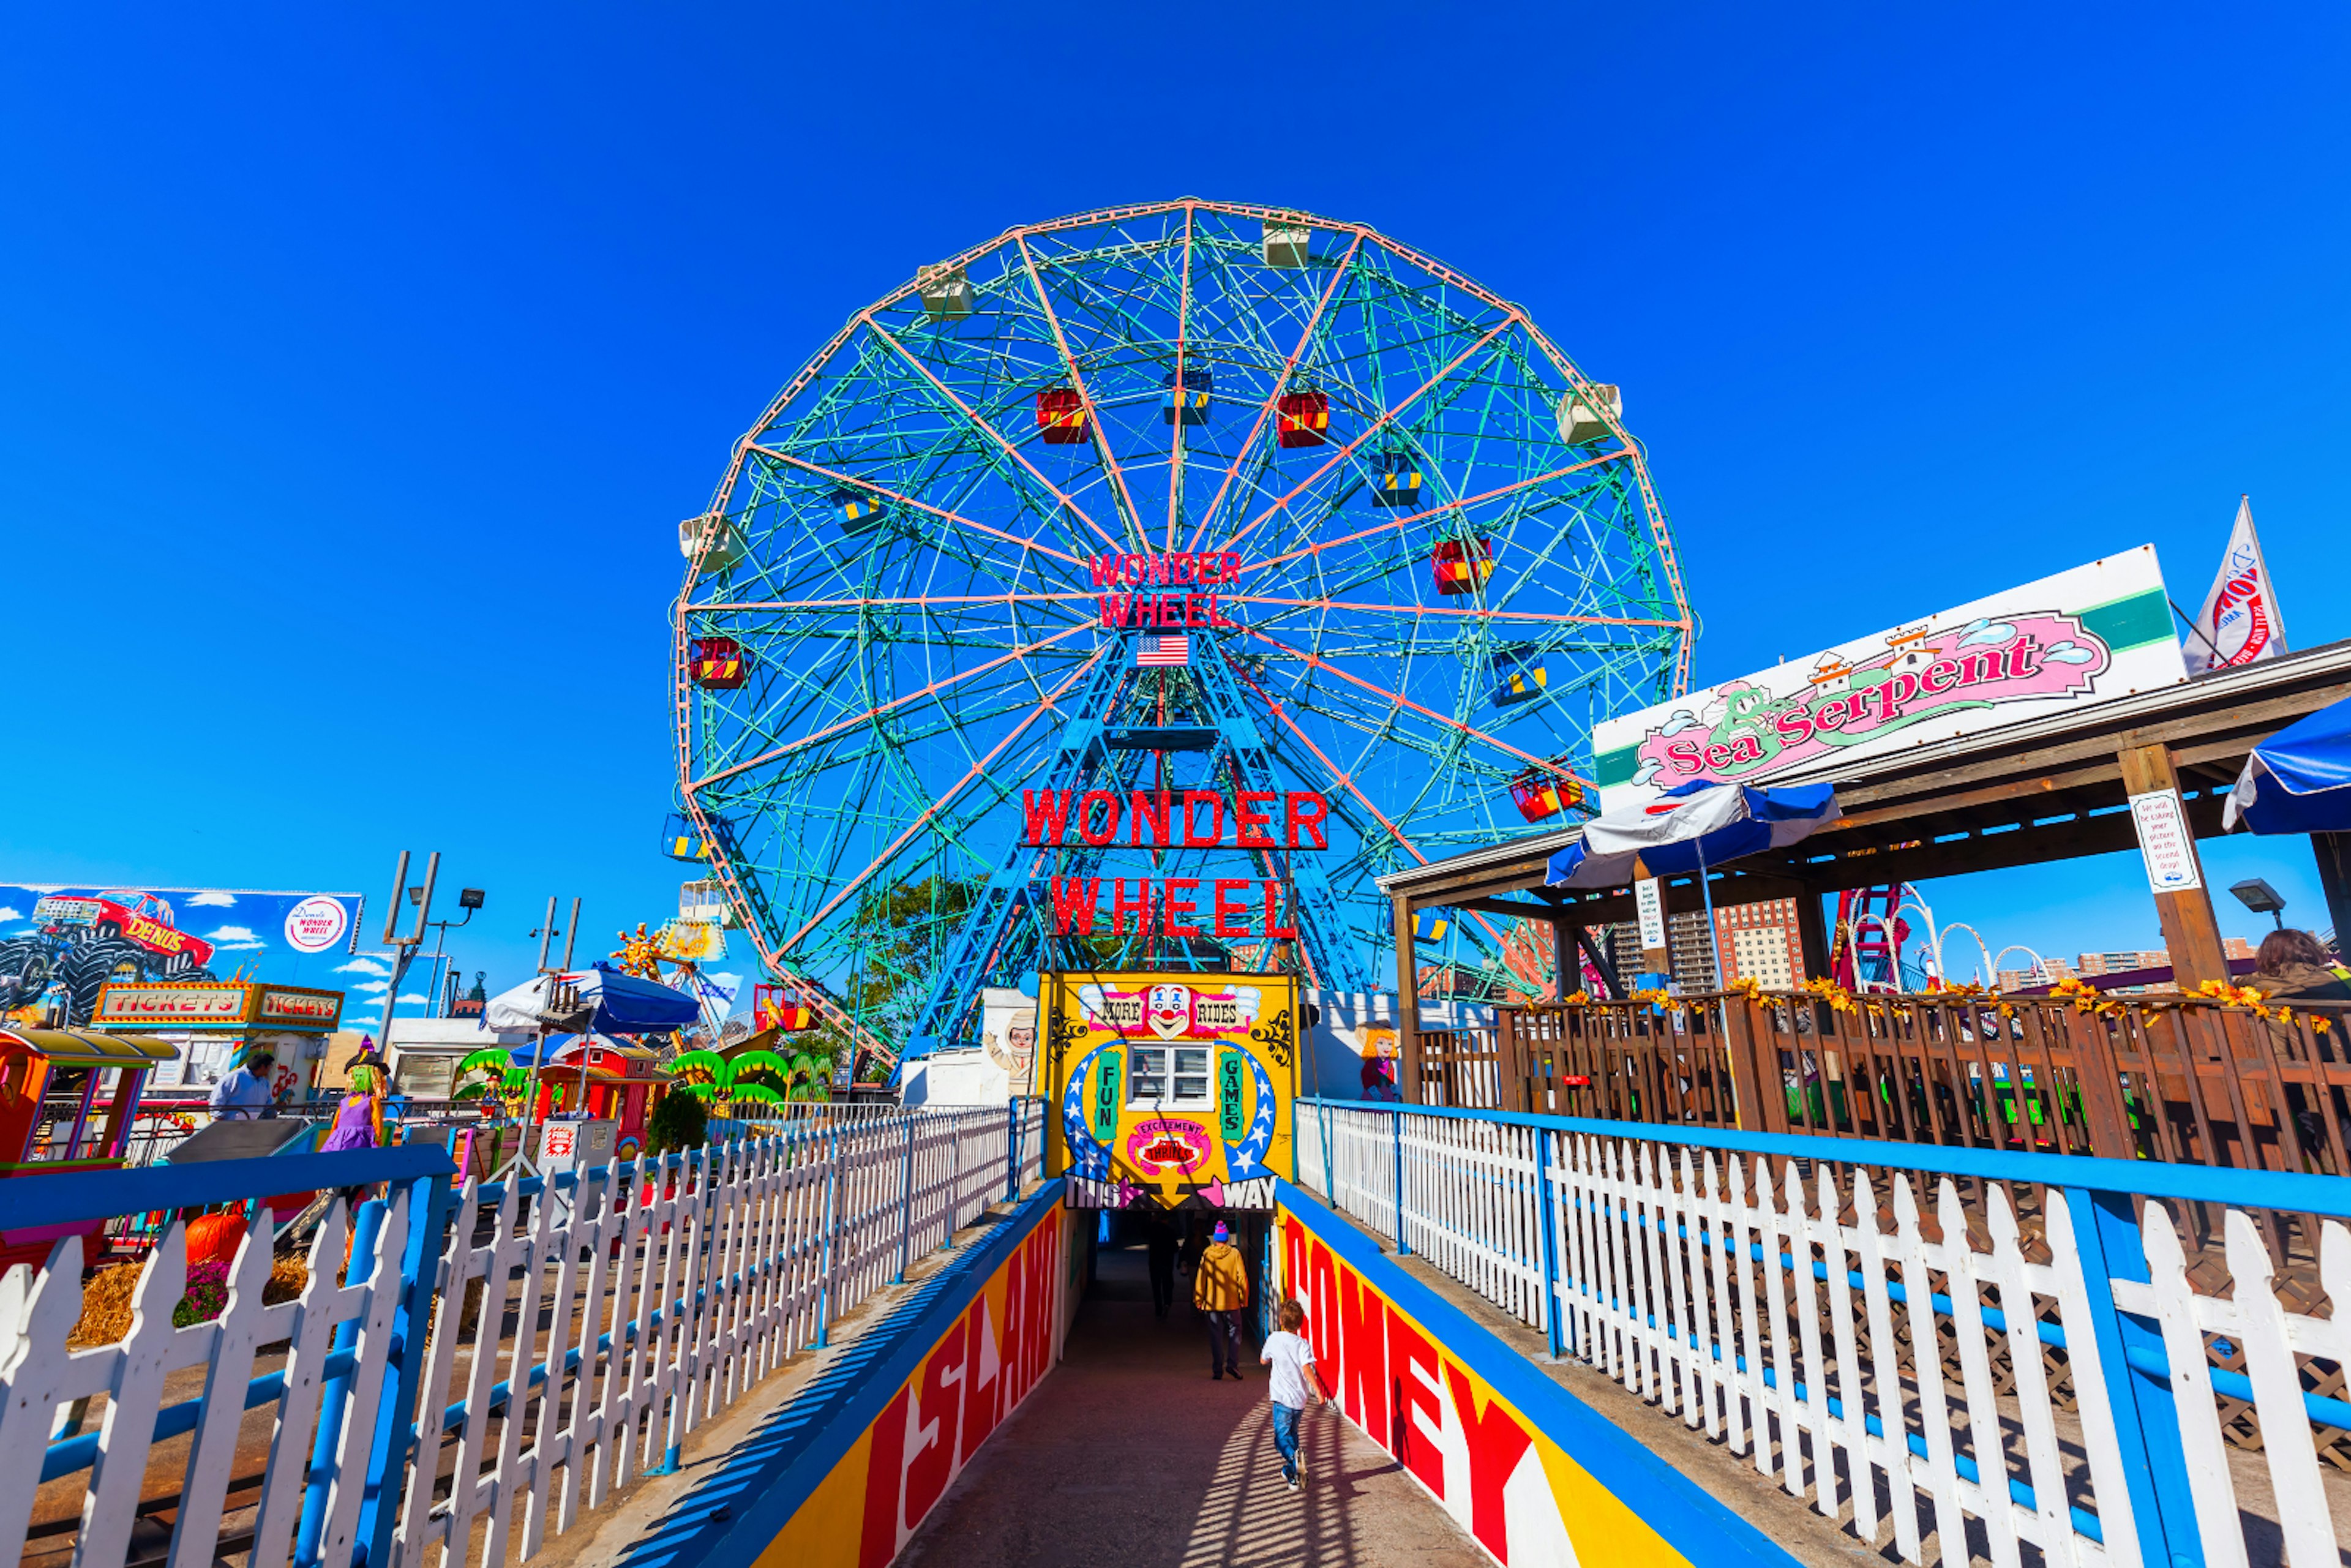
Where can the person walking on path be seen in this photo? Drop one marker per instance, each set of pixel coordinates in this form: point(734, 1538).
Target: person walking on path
point(1161, 1243)
point(1294, 1383)
point(1220, 1290)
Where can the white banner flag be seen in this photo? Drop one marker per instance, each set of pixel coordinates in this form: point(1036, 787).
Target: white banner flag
point(2240, 622)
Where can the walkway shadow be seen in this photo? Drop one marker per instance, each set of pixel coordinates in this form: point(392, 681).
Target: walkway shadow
point(1128, 1455)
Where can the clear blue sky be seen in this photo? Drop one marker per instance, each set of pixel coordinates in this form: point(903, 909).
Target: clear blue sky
point(357, 364)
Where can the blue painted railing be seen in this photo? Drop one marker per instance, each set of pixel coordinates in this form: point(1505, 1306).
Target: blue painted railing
point(2100, 1195)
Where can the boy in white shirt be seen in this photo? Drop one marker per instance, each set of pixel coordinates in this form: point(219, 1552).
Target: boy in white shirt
point(1294, 1382)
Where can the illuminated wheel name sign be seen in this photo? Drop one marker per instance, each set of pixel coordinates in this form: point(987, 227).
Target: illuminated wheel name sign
point(1166, 612)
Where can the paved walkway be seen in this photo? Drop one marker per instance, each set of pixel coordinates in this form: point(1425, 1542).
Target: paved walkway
point(1127, 1454)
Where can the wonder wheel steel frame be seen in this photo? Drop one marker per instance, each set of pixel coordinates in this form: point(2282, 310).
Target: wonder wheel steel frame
point(902, 552)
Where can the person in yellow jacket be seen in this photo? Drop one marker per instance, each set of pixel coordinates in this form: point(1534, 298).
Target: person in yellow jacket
point(1220, 1290)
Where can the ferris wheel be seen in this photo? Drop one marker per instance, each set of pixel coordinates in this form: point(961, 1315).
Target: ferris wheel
point(1183, 496)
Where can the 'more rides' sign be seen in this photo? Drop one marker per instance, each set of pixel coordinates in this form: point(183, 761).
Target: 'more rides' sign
point(2084, 636)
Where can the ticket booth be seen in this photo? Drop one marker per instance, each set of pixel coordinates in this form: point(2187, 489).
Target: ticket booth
point(1171, 1089)
point(208, 1024)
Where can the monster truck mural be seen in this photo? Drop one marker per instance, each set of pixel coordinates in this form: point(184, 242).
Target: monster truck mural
point(80, 942)
point(62, 943)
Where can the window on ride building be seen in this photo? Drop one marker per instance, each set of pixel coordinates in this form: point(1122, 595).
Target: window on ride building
point(1168, 1075)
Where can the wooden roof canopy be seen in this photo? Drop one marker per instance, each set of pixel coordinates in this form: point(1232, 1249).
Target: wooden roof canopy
point(2044, 789)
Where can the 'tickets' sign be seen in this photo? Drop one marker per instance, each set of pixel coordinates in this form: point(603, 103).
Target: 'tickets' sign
point(199, 1007)
point(218, 1005)
point(301, 1009)
point(2084, 636)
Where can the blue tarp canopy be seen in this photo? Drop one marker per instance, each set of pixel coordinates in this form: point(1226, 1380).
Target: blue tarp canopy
point(610, 1003)
point(2299, 779)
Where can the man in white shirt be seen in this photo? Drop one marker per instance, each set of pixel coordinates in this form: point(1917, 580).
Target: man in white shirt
point(1294, 1383)
point(243, 1093)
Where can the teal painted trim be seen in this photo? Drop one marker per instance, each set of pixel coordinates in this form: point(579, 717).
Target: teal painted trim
point(2132, 623)
point(1689, 1518)
point(729, 1520)
point(1612, 767)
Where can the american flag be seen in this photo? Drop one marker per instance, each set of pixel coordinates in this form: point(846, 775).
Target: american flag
point(1155, 651)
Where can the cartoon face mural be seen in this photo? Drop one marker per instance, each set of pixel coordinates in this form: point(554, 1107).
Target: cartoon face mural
point(1169, 1089)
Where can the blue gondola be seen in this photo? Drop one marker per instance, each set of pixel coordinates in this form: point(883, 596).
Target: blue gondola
point(860, 511)
point(1520, 676)
point(681, 841)
point(1186, 403)
point(1397, 483)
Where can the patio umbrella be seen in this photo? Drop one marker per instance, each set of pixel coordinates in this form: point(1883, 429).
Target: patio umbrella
point(2298, 780)
point(610, 1003)
point(1694, 826)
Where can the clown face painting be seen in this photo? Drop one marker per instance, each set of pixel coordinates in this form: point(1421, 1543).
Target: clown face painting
point(1168, 1010)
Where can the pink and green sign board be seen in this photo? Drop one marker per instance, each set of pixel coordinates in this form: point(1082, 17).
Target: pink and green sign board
point(2082, 637)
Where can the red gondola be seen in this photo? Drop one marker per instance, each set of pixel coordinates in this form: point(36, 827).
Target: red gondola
point(1539, 793)
point(719, 664)
point(780, 1007)
point(1462, 565)
point(1060, 416)
point(1300, 418)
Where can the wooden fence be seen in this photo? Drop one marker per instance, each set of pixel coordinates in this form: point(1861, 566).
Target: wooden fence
point(2147, 1077)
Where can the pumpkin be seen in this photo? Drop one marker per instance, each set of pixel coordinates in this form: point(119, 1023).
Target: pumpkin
point(214, 1238)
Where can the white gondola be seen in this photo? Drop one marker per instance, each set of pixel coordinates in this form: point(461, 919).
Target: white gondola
point(726, 543)
point(1580, 414)
point(946, 293)
point(1286, 245)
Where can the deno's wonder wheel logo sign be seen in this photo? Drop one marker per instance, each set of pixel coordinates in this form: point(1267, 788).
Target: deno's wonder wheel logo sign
point(316, 924)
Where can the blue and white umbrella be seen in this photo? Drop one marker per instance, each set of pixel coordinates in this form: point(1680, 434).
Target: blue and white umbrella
point(610, 1003)
point(1693, 827)
point(2298, 780)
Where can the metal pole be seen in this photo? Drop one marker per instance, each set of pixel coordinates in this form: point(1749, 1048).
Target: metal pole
point(336, 1396)
point(1713, 946)
point(1395, 1123)
point(1545, 1206)
point(824, 1278)
point(905, 1208)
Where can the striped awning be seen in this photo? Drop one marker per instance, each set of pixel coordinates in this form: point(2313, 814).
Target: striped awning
point(81, 1047)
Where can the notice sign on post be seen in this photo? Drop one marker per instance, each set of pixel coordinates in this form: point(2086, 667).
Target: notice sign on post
point(1650, 910)
point(2164, 842)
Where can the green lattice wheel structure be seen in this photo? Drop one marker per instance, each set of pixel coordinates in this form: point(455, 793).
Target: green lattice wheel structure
point(1446, 562)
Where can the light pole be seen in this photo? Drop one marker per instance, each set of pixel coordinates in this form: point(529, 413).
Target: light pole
point(469, 899)
point(556, 997)
point(403, 948)
point(2263, 899)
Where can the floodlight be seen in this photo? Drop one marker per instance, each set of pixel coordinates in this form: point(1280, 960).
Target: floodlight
point(469, 898)
point(2261, 898)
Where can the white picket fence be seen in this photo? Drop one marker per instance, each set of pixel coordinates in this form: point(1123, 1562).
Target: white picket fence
point(1783, 1314)
point(577, 1336)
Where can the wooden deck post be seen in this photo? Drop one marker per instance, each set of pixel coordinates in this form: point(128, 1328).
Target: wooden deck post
point(2332, 853)
point(2189, 929)
point(1408, 962)
point(1812, 934)
point(1759, 1110)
